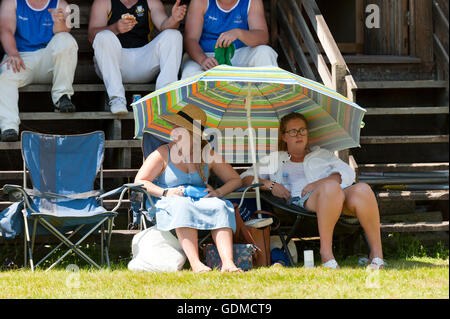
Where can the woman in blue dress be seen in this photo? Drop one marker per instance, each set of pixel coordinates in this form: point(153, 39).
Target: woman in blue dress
point(174, 166)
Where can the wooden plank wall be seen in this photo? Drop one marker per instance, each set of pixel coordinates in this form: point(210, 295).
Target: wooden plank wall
point(392, 36)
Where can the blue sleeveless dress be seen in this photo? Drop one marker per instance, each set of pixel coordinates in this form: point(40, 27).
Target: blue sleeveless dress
point(178, 211)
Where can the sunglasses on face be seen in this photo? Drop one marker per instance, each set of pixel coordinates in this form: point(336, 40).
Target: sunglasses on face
point(294, 132)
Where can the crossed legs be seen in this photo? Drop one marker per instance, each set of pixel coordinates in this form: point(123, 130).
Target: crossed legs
point(328, 200)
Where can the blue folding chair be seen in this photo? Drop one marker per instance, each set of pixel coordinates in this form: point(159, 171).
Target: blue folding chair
point(63, 170)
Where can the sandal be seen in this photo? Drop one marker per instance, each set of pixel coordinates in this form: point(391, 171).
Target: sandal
point(331, 264)
point(377, 263)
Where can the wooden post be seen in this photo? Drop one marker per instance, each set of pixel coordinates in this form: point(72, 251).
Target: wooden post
point(339, 72)
point(424, 30)
point(359, 32)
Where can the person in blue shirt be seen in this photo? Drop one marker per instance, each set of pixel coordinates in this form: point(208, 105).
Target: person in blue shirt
point(38, 49)
point(212, 24)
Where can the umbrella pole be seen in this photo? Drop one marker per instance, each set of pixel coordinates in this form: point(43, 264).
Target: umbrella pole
point(248, 106)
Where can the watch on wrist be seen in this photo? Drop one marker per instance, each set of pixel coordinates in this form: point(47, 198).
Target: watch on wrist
point(165, 192)
point(271, 185)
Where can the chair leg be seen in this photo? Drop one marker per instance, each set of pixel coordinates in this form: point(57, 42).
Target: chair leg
point(71, 245)
point(27, 244)
point(102, 241)
point(289, 236)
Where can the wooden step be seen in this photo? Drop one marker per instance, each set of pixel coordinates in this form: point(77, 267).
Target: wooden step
point(414, 227)
point(402, 167)
point(381, 59)
point(130, 87)
point(108, 144)
point(423, 84)
point(44, 116)
point(373, 59)
point(401, 181)
point(411, 139)
point(412, 195)
point(407, 110)
point(107, 173)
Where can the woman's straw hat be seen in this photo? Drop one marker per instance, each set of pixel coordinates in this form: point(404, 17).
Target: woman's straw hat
point(187, 117)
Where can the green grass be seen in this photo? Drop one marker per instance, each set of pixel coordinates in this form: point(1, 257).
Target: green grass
point(416, 277)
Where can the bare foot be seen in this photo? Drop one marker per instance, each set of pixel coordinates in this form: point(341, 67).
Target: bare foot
point(230, 267)
point(200, 268)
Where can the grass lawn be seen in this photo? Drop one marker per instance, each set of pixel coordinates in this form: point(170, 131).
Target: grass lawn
point(415, 277)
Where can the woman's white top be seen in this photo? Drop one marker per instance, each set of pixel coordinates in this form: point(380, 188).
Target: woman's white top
point(294, 178)
point(319, 163)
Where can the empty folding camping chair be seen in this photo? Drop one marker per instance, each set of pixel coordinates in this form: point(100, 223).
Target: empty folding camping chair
point(62, 201)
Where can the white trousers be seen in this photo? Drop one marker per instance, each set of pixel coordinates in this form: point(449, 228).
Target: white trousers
point(55, 64)
point(116, 65)
point(261, 55)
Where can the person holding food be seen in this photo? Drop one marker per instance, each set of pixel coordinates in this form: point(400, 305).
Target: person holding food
point(124, 50)
point(38, 49)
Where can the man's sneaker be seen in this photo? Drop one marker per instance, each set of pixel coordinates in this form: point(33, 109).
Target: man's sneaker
point(65, 105)
point(118, 105)
point(10, 135)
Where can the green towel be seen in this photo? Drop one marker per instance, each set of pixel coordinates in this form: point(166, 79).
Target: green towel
point(224, 55)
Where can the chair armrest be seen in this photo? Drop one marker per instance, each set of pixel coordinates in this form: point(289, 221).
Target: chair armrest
point(255, 185)
point(124, 188)
point(13, 190)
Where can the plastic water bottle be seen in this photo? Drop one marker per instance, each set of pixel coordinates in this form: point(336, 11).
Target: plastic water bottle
point(308, 256)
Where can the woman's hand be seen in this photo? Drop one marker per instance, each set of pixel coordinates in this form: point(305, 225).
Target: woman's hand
point(279, 190)
point(175, 191)
point(213, 192)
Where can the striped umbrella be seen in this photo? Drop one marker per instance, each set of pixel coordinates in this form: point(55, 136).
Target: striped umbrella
point(255, 99)
point(222, 92)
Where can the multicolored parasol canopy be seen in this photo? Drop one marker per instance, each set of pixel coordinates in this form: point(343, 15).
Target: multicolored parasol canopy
point(334, 121)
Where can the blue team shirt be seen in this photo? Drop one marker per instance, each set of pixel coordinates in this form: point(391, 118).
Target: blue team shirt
point(217, 21)
point(34, 27)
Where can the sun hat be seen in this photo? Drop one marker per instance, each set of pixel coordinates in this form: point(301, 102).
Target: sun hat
point(187, 117)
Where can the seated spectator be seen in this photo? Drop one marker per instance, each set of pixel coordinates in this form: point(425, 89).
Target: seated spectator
point(214, 24)
point(315, 179)
point(124, 50)
point(172, 167)
point(39, 49)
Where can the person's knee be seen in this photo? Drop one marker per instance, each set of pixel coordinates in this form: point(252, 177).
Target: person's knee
point(332, 190)
point(360, 194)
point(105, 39)
point(171, 39)
point(265, 55)
point(65, 42)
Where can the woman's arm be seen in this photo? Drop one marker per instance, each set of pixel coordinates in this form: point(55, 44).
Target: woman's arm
point(277, 190)
point(227, 175)
point(153, 166)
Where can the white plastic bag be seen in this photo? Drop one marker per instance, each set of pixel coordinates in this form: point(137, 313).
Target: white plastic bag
point(156, 251)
